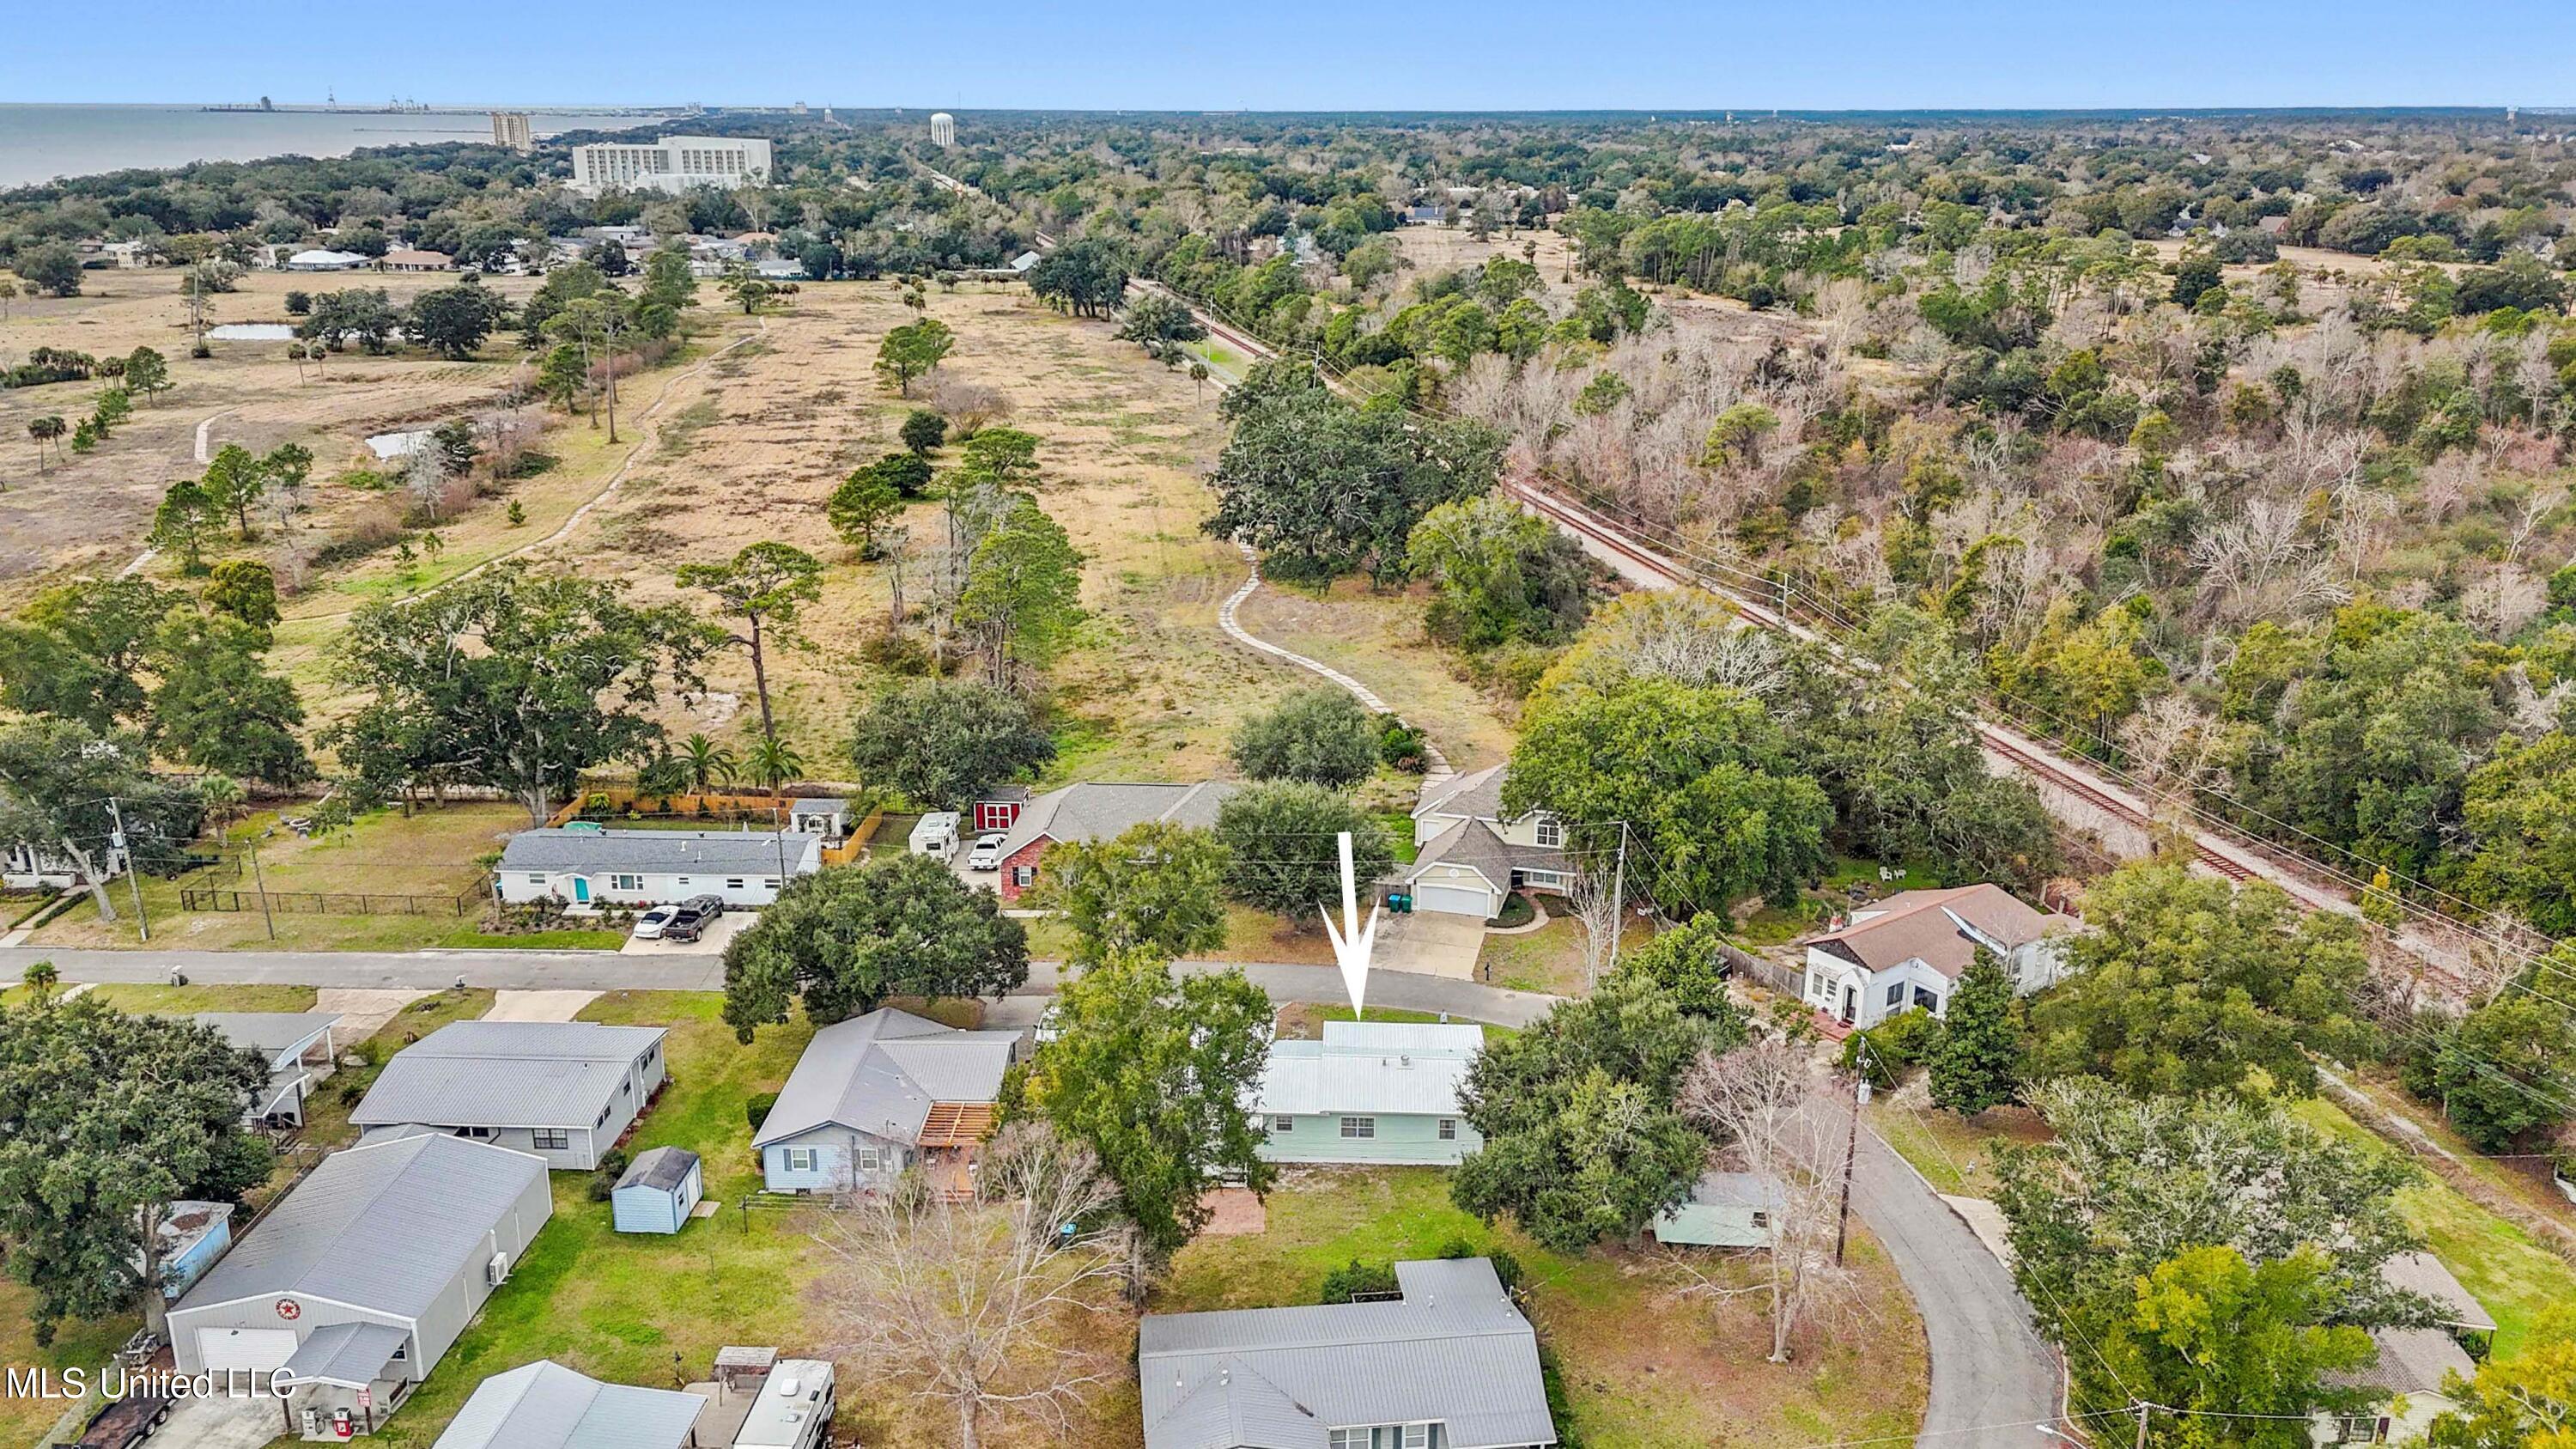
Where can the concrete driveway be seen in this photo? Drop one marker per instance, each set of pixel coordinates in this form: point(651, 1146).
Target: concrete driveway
point(1430, 943)
point(539, 1005)
point(710, 942)
point(249, 1422)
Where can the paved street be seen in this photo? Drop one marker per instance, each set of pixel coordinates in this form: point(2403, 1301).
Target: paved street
point(1988, 1368)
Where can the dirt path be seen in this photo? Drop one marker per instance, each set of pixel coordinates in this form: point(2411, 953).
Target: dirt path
point(1227, 618)
point(645, 435)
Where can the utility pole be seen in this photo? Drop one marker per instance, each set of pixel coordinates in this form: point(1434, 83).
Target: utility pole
point(1619, 898)
point(2143, 1407)
point(1851, 1150)
point(260, 880)
point(117, 815)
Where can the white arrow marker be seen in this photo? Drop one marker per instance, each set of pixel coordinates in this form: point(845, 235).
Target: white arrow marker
point(1352, 943)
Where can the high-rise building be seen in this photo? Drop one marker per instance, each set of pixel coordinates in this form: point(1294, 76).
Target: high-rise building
point(672, 164)
point(510, 129)
point(943, 129)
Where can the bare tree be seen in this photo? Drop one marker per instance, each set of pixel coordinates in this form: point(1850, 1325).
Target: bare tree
point(1762, 1099)
point(992, 1305)
point(1594, 897)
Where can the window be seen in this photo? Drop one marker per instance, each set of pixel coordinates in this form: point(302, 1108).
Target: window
point(1351, 1438)
point(1024, 875)
point(1448, 1129)
point(1550, 831)
point(735, 884)
point(1544, 879)
point(475, 1134)
point(1359, 1126)
point(602, 1119)
point(536, 879)
point(1895, 995)
point(1283, 1125)
point(1417, 1436)
point(626, 882)
point(1761, 1219)
point(770, 884)
point(2358, 1429)
point(551, 1139)
point(800, 1159)
point(868, 1160)
point(1927, 1000)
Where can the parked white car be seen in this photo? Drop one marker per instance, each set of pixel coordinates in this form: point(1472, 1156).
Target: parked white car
point(987, 854)
point(648, 926)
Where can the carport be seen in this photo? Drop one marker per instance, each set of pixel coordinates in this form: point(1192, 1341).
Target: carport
point(352, 1368)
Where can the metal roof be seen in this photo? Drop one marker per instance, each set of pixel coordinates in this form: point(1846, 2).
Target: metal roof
point(506, 1074)
point(272, 1032)
point(1370, 1067)
point(547, 1406)
point(880, 1073)
point(1101, 810)
point(382, 1225)
point(1740, 1189)
point(662, 852)
point(662, 1169)
point(1454, 1350)
point(351, 1355)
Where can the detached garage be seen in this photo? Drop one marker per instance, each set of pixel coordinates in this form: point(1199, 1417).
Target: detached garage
point(351, 1290)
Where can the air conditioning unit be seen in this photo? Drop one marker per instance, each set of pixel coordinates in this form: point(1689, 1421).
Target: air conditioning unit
point(497, 1272)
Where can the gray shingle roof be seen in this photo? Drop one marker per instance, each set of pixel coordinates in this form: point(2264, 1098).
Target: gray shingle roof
point(1470, 843)
point(1477, 795)
point(1930, 926)
point(659, 852)
point(547, 1406)
point(506, 1074)
point(662, 1168)
point(1097, 810)
point(880, 1072)
point(1453, 1350)
point(382, 1225)
point(270, 1032)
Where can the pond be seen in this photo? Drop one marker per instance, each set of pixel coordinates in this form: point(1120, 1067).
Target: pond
point(389, 446)
point(251, 332)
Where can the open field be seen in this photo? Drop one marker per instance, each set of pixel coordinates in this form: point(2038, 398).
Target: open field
point(1447, 248)
point(88, 512)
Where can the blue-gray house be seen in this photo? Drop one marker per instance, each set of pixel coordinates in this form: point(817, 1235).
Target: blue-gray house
point(658, 1191)
point(880, 1094)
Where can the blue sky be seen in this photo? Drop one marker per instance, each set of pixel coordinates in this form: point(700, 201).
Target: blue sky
point(1311, 54)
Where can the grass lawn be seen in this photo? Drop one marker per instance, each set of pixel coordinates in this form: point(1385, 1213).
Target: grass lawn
point(1955, 1154)
point(639, 1309)
point(1642, 1366)
point(1304, 1021)
point(2513, 1275)
point(1250, 935)
point(1550, 959)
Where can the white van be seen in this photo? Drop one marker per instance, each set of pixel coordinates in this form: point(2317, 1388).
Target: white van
point(936, 834)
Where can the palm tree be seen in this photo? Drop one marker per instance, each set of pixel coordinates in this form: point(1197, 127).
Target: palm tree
point(773, 762)
point(1199, 375)
point(41, 979)
point(44, 430)
point(707, 763)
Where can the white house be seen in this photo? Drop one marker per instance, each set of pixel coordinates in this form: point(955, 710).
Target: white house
point(358, 1281)
point(1369, 1092)
point(544, 1405)
point(587, 866)
point(561, 1090)
point(1909, 950)
point(880, 1093)
point(673, 164)
point(1469, 856)
point(2414, 1363)
point(299, 1050)
point(323, 259)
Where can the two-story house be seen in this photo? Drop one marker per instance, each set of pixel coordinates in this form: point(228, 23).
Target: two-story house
point(1469, 855)
point(1909, 950)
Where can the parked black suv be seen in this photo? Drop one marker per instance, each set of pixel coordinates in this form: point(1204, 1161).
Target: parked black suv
point(689, 921)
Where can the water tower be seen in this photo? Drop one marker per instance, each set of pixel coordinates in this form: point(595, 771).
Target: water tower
point(943, 129)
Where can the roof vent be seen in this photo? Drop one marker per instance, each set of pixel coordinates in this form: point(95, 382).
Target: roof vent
point(787, 1388)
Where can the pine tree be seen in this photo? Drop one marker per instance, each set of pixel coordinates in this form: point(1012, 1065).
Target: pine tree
point(1978, 1063)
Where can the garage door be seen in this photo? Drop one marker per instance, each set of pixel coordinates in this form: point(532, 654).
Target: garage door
point(1454, 900)
point(252, 1350)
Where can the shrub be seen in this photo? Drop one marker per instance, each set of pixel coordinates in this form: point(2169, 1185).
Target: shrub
point(1319, 735)
point(756, 1109)
point(1355, 1278)
point(1896, 1046)
point(1401, 746)
point(603, 1181)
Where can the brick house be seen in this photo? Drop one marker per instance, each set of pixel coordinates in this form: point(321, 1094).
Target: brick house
point(1095, 810)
